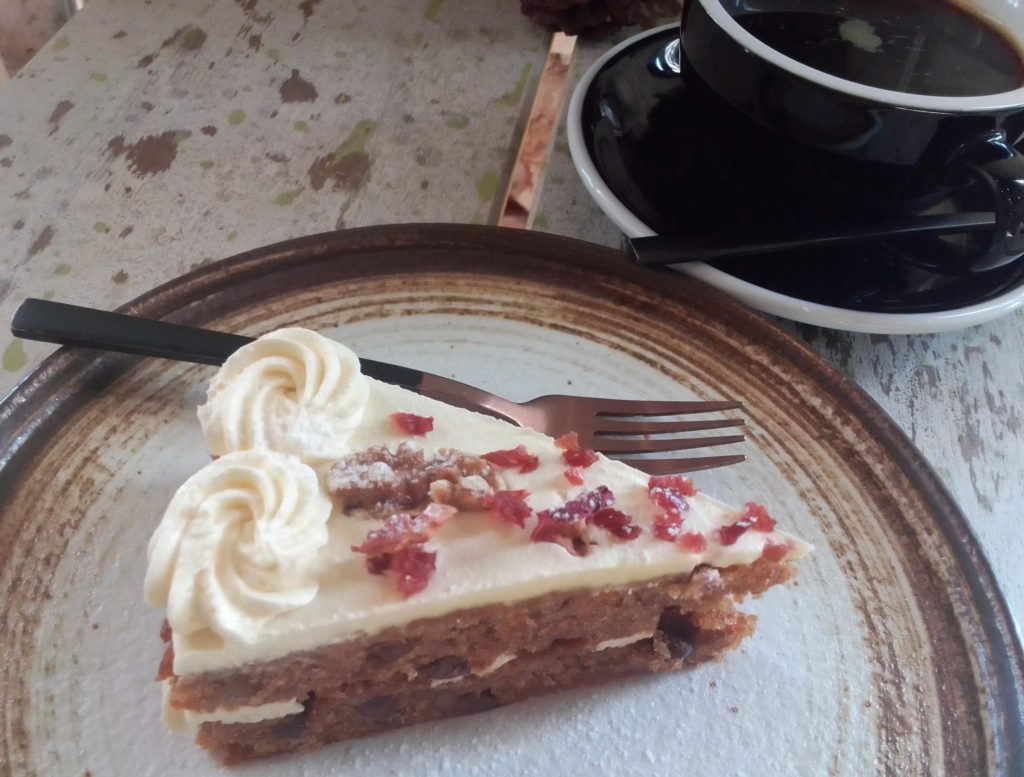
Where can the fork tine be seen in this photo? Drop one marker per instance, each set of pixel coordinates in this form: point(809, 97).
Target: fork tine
point(612, 446)
point(640, 407)
point(675, 466)
point(606, 426)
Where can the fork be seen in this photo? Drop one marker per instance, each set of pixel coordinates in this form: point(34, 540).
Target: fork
point(614, 427)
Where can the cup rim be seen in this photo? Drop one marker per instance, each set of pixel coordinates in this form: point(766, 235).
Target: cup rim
point(936, 103)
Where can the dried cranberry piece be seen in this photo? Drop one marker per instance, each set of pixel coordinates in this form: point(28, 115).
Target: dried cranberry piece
point(572, 453)
point(579, 457)
point(753, 516)
point(397, 532)
point(397, 547)
point(378, 565)
point(165, 631)
point(727, 535)
point(510, 506)
point(413, 567)
point(774, 551)
point(568, 441)
point(693, 542)
point(676, 482)
point(513, 457)
point(758, 516)
point(574, 475)
point(565, 525)
point(581, 507)
point(668, 527)
point(669, 492)
point(616, 522)
point(410, 423)
point(400, 530)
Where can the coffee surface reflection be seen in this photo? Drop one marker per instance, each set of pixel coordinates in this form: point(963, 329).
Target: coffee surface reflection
point(927, 47)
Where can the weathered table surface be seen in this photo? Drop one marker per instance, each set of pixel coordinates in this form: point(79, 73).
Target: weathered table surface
point(147, 139)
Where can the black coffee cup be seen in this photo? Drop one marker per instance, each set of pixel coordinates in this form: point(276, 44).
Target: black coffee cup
point(892, 106)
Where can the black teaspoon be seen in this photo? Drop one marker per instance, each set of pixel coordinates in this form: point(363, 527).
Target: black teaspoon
point(662, 250)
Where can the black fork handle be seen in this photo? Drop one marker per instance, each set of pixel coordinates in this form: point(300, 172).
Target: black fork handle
point(64, 324)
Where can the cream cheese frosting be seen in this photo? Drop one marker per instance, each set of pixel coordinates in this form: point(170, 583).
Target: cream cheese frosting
point(292, 391)
point(328, 596)
point(234, 546)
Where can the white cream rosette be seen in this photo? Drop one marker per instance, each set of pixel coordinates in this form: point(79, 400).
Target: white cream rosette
point(237, 543)
point(292, 391)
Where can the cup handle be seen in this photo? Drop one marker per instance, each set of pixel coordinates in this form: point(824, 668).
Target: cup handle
point(999, 167)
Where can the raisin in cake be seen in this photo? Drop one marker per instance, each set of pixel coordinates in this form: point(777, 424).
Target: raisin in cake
point(357, 557)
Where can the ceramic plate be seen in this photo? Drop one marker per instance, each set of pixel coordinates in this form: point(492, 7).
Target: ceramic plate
point(892, 653)
point(624, 113)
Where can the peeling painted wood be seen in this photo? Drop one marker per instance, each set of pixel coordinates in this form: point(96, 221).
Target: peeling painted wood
point(137, 146)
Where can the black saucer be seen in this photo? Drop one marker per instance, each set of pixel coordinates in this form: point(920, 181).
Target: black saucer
point(667, 164)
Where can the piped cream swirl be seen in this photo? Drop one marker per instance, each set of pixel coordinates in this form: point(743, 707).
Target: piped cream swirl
point(236, 545)
point(292, 391)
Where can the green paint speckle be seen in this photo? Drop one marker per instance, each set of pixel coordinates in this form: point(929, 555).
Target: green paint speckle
point(62, 269)
point(206, 164)
point(232, 235)
point(341, 98)
point(457, 121)
point(15, 358)
point(341, 54)
point(246, 88)
point(100, 227)
point(49, 294)
point(274, 54)
point(301, 126)
point(433, 10)
point(562, 147)
point(540, 222)
point(356, 140)
point(61, 43)
point(100, 77)
point(487, 186)
point(236, 117)
point(477, 219)
point(287, 198)
point(513, 98)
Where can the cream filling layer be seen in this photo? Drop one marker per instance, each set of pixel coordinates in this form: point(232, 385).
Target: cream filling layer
point(480, 559)
point(494, 666)
point(178, 719)
point(608, 644)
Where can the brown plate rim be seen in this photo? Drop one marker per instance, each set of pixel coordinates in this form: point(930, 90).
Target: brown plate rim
point(33, 408)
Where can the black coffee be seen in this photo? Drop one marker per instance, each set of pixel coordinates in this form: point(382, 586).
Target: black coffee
point(928, 47)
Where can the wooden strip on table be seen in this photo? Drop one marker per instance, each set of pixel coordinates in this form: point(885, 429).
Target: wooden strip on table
point(561, 205)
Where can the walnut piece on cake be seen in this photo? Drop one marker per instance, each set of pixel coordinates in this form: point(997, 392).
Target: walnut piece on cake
point(383, 482)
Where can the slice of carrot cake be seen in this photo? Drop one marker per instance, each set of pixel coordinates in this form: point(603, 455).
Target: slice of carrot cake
point(359, 557)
